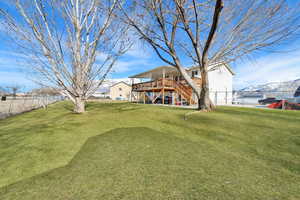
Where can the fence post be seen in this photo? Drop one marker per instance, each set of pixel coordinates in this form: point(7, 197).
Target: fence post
point(10, 106)
point(32, 102)
point(216, 98)
point(24, 104)
point(226, 96)
point(283, 104)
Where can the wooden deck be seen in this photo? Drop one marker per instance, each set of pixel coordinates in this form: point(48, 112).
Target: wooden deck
point(157, 85)
point(166, 85)
point(153, 85)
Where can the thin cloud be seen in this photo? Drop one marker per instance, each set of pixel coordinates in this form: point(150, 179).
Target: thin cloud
point(272, 68)
point(15, 78)
point(131, 65)
point(139, 51)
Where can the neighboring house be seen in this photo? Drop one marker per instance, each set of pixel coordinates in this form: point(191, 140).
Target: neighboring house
point(165, 85)
point(104, 90)
point(120, 91)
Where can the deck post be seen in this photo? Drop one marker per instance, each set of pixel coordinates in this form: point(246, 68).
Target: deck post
point(153, 95)
point(144, 97)
point(173, 98)
point(132, 82)
point(163, 96)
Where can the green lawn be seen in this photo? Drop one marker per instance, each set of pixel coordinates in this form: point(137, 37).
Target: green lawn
point(127, 151)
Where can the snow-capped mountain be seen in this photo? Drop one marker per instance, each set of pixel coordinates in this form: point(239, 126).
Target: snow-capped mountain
point(274, 89)
point(286, 86)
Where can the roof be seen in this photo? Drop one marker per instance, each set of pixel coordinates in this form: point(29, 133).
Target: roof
point(216, 65)
point(120, 83)
point(148, 74)
point(159, 70)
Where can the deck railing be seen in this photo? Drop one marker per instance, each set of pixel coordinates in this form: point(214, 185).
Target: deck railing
point(160, 83)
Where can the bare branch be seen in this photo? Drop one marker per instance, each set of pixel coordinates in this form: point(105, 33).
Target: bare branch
point(63, 38)
point(211, 31)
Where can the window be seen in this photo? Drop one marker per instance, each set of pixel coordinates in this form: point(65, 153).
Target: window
point(194, 73)
point(120, 89)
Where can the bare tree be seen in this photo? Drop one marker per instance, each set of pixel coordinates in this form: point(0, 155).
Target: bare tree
point(211, 31)
point(3, 91)
point(13, 90)
point(71, 44)
point(44, 91)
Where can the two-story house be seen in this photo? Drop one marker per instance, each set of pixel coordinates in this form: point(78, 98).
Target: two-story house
point(165, 85)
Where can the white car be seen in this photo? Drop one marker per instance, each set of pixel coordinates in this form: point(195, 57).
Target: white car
point(235, 101)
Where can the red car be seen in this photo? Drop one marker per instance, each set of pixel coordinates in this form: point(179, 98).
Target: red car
point(287, 105)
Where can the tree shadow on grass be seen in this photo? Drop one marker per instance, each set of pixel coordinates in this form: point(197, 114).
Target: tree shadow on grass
point(141, 163)
point(113, 107)
point(120, 164)
point(256, 112)
point(253, 135)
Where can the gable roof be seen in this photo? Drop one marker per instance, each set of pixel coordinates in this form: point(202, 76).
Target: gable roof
point(217, 65)
point(120, 83)
point(159, 69)
point(147, 74)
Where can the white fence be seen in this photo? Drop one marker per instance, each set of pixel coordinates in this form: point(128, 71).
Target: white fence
point(16, 105)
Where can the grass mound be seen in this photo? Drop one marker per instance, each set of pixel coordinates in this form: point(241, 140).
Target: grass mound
point(222, 155)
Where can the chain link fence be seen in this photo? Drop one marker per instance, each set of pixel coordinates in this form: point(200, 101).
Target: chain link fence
point(256, 99)
point(261, 99)
point(15, 105)
point(266, 98)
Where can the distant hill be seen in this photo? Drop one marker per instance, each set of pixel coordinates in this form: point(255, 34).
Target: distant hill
point(275, 86)
point(274, 89)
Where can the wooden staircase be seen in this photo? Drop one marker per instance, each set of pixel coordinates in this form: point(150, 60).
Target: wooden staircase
point(160, 86)
point(185, 91)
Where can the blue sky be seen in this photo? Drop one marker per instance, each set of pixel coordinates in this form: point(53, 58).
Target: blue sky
point(262, 67)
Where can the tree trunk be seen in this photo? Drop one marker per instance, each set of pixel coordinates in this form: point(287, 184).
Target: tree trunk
point(79, 105)
point(204, 102)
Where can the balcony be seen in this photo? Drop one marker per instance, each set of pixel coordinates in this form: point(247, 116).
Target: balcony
point(167, 84)
point(153, 85)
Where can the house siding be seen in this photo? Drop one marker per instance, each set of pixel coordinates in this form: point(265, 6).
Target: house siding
point(120, 90)
point(220, 85)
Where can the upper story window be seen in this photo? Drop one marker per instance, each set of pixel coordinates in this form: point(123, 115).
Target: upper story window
point(194, 73)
